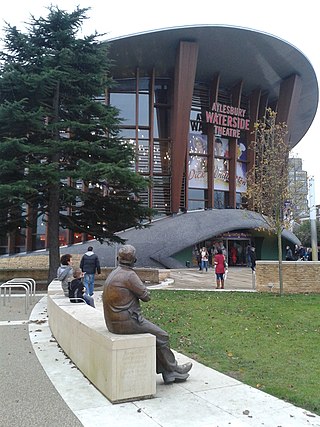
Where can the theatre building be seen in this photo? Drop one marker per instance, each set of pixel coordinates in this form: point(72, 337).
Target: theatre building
point(189, 98)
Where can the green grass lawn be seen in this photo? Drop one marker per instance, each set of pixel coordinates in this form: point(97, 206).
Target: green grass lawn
point(266, 341)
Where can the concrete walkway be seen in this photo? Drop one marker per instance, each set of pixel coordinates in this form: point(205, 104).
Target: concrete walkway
point(41, 387)
point(28, 396)
point(237, 279)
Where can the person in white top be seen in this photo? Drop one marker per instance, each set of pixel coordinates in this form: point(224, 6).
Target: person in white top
point(204, 259)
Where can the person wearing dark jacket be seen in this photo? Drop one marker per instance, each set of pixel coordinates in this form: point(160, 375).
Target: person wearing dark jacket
point(90, 264)
point(289, 256)
point(77, 291)
point(253, 257)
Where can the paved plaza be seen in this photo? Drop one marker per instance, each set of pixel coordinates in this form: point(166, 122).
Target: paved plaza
point(41, 387)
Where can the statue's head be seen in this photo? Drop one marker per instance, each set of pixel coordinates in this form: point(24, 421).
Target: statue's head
point(127, 255)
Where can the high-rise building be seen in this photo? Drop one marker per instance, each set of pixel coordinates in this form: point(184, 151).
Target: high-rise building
point(298, 186)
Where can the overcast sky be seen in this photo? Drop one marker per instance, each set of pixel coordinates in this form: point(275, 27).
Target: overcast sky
point(296, 24)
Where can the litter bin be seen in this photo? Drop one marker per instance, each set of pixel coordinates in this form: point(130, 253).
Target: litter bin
point(188, 264)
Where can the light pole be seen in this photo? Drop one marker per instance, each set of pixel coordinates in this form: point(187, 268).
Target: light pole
point(313, 219)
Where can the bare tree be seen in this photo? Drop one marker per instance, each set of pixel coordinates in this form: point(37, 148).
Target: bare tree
point(268, 189)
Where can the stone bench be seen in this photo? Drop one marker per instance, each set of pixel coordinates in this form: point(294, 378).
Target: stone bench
point(122, 367)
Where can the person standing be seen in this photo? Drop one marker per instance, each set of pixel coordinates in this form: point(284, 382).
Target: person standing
point(198, 256)
point(248, 255)
point(296, 253)
point(219, 262)
point(253, 257)
point(90, 264)
point(204, 259)
point(289, 256)
point(302, 253)
point(210, 252)
point(233, 255)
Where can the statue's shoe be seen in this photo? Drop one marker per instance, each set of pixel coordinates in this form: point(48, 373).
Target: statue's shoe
point(183, 369)
point(171, 377)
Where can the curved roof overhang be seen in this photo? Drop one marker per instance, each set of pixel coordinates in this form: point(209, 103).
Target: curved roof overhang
point(261, 60)
point(157, 244)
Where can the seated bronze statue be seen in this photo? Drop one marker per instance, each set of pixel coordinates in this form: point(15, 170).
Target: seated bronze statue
point(121, 297)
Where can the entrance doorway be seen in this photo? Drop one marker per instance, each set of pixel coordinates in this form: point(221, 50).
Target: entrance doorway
point(237, 252)
point(234, 248)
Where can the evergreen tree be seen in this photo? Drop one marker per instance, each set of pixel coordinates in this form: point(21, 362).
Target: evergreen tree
point(55, 137)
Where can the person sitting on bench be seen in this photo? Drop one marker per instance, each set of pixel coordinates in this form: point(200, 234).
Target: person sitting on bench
point(77, 290)
point(121, 297)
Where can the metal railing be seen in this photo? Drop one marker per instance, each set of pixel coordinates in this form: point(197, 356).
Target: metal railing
point(26, 283)
point(25, 280)
point(11, 286)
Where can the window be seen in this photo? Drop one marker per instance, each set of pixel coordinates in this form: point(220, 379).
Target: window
point(126, 103)
point(197, 198)
point(143, 117)
point(221, 199)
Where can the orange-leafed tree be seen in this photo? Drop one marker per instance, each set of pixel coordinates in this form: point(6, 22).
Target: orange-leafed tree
point(268, 186)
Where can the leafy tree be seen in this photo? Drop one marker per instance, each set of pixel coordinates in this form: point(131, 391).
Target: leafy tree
point(268, 190)
point(60, 151)
point(303, 232)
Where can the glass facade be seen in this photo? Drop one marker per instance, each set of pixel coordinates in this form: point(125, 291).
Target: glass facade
point(146, 125)
point(145, 105)
point(201, 158)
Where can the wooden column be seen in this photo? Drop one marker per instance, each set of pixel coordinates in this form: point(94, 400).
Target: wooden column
point(214, 91)
point(288, 102)
point(185, 71)
point(254, 103)
point(257, 109)
point(236, 100)
point(151, 134)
